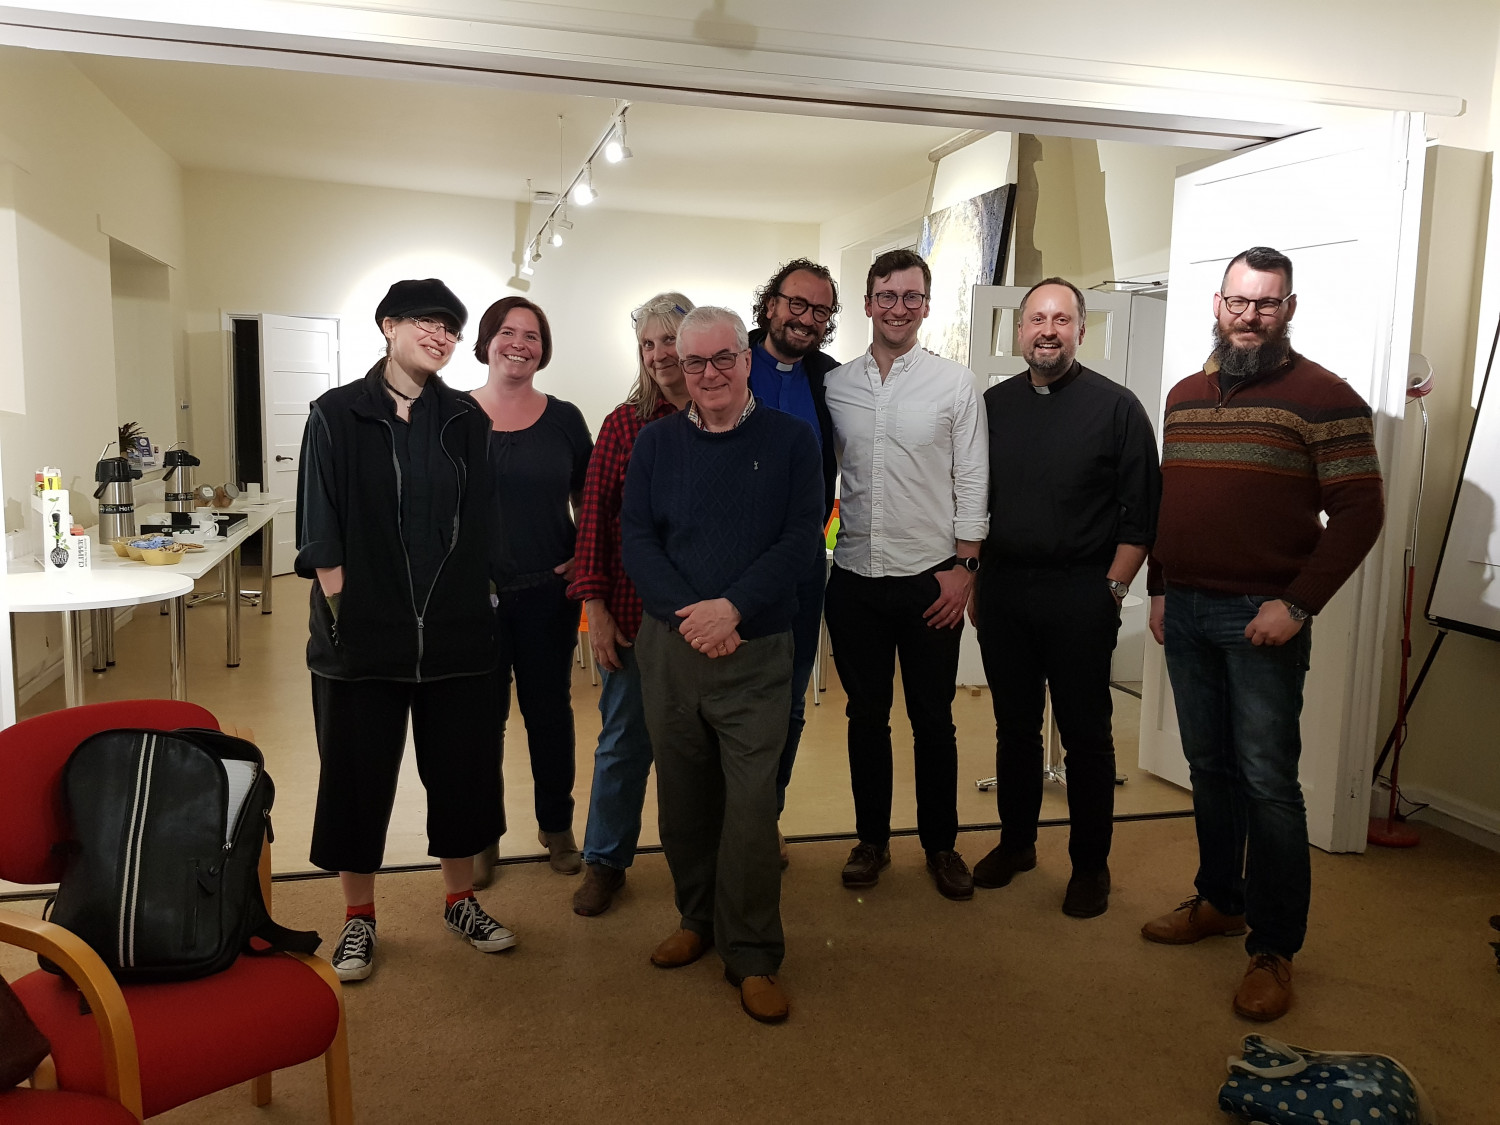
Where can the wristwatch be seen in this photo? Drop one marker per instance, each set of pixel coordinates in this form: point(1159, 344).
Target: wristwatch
point(1118, 589)
point(1297, 612)
point(971, 563)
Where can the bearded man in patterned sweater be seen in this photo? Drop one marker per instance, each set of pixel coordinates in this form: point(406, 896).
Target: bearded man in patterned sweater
point(1256, 447)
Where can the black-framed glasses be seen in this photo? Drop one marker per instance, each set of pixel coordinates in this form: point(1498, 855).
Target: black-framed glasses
point(1266, 306)
point(722, 361)
point(798, 305)
point(887, 299)
point(435, 327)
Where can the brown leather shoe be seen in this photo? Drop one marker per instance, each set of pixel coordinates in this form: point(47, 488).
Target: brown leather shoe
point(951, 874)
point(600, 883)
point(682, 947)
point(865, 864)
point(1265, 993)
point(1193, 921)
point(761, 997)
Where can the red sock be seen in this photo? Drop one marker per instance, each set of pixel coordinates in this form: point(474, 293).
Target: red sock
point(367, 910)
point(459, 897)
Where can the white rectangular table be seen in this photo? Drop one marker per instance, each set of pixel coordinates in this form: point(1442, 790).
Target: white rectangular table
point(114, 582)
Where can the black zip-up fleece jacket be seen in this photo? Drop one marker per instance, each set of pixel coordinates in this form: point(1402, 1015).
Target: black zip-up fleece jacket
point(349, 515)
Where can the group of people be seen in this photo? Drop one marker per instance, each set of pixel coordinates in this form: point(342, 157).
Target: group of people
point(440, 529)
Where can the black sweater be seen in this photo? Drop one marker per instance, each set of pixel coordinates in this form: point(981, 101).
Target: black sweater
point(722, 515)
point(349, 513)
point(1073, 473)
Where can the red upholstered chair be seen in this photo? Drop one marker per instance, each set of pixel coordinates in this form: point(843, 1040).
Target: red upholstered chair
point(151, 1047)
point(58, 1107)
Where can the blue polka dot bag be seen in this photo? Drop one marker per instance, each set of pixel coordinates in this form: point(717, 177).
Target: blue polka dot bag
point(1277, 1084)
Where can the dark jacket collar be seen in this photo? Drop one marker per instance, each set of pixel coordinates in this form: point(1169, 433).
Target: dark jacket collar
point(371, 399)
point(815, 363)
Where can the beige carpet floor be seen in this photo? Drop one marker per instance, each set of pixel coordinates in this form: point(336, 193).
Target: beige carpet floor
point(906, 1007)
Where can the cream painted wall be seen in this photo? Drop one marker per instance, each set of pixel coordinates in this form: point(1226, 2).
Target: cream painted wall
point(1138, 185)
point(144, 344)
point(259, 244)
point(81, 172)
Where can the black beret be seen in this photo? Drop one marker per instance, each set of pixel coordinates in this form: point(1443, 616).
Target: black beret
point(421, 298)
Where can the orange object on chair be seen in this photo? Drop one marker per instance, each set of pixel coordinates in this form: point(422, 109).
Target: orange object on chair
point(151, 1047)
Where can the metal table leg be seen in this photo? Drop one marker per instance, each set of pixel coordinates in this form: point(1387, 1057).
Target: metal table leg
point(109, 637)
point(97, 619)
point(177, 611)
point(72, 658)
point(267, 576)
point(231, 574)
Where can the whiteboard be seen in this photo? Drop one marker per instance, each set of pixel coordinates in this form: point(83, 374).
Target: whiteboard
point(1465, 593)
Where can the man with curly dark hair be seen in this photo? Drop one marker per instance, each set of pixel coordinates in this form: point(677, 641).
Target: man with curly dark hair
point(794, 315)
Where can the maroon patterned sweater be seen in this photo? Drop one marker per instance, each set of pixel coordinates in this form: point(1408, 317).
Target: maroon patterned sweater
point(1246, 474)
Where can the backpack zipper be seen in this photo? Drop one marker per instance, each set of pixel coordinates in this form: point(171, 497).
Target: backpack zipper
point(130, 893)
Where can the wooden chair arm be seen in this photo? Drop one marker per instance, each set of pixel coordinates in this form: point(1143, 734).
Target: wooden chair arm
point(71, 954)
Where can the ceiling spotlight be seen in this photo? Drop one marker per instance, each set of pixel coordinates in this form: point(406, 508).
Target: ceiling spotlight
point(526, 268)
point(583, 190)
point(614, 148)
point(557, 236)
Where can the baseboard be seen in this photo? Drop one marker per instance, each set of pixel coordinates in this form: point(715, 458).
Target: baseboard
point(50, 671)
point(1473, 822)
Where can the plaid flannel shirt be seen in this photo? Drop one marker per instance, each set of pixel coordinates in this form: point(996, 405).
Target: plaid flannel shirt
point(598, 572)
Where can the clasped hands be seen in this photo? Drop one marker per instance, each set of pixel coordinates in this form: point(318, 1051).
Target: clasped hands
point(711, 627)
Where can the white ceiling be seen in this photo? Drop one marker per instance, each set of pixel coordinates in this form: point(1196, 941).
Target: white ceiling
point(477, 141)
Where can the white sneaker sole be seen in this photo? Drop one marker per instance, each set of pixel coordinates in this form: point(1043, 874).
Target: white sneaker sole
point(492, 945)
point(354, 972)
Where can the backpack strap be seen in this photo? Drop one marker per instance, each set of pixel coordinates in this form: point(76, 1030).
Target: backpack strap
point(276, 937)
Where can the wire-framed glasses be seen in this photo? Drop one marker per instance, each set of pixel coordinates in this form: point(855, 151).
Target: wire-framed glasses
point(436, 328)
point(887, 299)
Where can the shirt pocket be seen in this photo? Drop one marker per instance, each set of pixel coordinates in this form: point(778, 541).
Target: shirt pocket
point(915, 426)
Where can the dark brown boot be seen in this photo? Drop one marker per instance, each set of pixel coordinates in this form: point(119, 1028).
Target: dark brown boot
point(600, 883)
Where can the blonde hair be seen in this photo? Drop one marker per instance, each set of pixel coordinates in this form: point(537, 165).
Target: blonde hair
point(665, 310)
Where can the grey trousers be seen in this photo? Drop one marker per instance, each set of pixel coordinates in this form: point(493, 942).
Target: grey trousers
point(718, 728)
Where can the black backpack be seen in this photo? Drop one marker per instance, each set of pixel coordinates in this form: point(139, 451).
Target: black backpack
point(162, 875)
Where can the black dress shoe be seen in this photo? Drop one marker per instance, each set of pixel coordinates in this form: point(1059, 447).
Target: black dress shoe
point(866, 862)
point(1002, 865)
point(1087, 895)
point(951, 874)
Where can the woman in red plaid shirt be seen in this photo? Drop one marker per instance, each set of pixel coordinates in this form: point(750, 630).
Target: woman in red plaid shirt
point(622, 761)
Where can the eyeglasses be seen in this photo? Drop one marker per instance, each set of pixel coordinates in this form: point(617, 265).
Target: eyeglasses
point(436, 327)
point(797, 306)
point(722, 361)
point(658, 310)
point(887, 299)
point(1266, 306)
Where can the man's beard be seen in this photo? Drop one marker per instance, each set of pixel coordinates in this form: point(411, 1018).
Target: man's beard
point(792, 348)
point(1274, 350)
point(1048, 364)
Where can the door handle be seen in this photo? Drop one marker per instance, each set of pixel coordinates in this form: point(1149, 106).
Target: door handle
point(279, 457)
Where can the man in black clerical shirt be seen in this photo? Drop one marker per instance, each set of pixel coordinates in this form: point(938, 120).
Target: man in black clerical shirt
point(1074, 488)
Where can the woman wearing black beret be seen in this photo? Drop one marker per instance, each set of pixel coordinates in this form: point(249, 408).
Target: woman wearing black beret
point(393, 523)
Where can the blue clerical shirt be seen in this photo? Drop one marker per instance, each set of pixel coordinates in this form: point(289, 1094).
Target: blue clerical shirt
point(783, 386)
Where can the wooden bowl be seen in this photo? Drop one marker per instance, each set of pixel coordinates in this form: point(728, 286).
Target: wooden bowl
point(161, 556)
point(133, 552)
point(121, 544)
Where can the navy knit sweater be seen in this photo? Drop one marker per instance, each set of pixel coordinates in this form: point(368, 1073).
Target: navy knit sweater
point(723, 515)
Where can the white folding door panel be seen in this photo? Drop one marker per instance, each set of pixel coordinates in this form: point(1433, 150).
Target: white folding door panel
point(299, 360)
point(1344, 205)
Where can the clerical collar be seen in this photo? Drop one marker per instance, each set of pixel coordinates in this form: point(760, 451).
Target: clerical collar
point(1057, 384)
point(784, 366)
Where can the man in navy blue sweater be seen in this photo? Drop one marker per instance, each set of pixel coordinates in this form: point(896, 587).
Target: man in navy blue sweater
point(721, 517)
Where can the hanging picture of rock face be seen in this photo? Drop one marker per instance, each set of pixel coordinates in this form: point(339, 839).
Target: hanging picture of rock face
point(965, 246)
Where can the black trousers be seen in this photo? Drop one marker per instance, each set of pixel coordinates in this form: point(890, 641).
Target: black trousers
point(872, 622)
point(1054, 628)
point(537, 629)
point(361, 729)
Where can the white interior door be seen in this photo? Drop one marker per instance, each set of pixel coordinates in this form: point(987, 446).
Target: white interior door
point(1344, 205)
point(1122, 341)
point(299, 360)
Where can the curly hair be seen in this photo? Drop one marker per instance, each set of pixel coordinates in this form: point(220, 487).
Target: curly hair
point(772, 288)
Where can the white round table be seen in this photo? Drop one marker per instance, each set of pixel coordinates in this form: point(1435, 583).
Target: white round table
point(36, 592)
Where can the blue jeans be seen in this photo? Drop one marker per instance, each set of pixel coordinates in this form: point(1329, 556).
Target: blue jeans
point(806, 627)
point(1238, 708)
point(622, 765)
